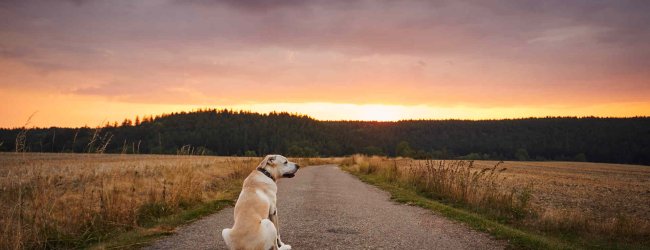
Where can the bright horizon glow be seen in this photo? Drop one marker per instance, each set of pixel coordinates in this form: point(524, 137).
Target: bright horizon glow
point(381, 112)
point(76, 111)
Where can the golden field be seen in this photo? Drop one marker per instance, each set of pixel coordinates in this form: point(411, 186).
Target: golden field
point(77, 200)
point(597, 190)
point(591, 204)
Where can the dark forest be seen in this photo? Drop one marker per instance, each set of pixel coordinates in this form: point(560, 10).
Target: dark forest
point(225, 132)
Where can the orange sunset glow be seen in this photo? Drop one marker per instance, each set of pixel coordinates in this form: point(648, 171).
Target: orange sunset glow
point(81, 62)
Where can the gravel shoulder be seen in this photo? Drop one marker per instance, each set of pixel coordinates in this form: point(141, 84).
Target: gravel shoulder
point(326, 208)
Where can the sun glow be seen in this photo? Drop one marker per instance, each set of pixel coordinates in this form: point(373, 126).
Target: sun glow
point(379, 112)
point(386, 112)
point(74, 111)
point(340, 111)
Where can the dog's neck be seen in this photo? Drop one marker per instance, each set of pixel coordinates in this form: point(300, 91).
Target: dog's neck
point(266, 173)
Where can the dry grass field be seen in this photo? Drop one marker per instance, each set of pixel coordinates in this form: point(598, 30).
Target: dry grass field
point(585, 202)
point(76, 200)
point(72, 200)
point(597, 191)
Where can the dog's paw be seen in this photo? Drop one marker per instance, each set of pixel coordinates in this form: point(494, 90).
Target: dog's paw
point(285, 247)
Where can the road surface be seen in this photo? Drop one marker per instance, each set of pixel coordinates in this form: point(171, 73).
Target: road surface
point(326, 208)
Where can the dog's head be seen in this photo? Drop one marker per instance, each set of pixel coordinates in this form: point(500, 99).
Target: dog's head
point(279, 166)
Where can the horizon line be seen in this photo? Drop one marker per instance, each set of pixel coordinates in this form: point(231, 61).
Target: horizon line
point(297, 114)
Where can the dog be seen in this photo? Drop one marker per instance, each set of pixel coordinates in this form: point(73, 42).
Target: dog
point(256, 214)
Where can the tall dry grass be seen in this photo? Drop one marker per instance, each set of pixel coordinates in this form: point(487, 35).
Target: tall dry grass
point(70, 200)
point(488, 188)
point(456, 182)
point(304, 162)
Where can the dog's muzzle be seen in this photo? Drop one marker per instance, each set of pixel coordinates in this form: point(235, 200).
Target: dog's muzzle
point(291, 175)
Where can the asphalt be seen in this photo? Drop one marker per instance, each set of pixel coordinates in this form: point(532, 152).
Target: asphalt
point(326, 208)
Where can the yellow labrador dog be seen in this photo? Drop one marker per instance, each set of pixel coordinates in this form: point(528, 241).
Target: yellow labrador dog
point(256, 214)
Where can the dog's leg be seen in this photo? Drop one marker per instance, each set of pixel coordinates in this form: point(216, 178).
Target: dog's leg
point(270, 234)
point(274, 218)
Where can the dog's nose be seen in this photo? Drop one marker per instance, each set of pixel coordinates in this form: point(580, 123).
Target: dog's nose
point(297, 166)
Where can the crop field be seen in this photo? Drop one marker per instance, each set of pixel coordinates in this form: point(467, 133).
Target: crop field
point(590, 204)
point(594, 190)
point(76, 200)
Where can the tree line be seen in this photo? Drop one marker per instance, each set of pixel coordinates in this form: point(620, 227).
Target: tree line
point(227, 132)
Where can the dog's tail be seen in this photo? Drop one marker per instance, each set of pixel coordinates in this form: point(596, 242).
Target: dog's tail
point(225, 233)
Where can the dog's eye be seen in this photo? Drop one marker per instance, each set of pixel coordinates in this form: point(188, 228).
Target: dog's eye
point(285, 162)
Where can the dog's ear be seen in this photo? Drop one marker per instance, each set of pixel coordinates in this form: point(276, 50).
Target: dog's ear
point(267, 160)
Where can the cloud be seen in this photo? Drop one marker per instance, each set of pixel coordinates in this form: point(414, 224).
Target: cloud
point(249, 5)
point(416, 52)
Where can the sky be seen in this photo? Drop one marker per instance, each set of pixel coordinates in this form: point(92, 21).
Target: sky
point(85, 62)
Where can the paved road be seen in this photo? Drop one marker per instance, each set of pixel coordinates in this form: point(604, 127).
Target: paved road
point(326, 208)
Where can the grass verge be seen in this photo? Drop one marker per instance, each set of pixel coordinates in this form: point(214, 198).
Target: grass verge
point(517, 238)
point(164, 226)
point(481, 197)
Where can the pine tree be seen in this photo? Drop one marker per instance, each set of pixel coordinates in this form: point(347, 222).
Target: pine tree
point(126, 123)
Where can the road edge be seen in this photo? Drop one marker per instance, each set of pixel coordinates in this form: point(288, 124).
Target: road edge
point(517, 239)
